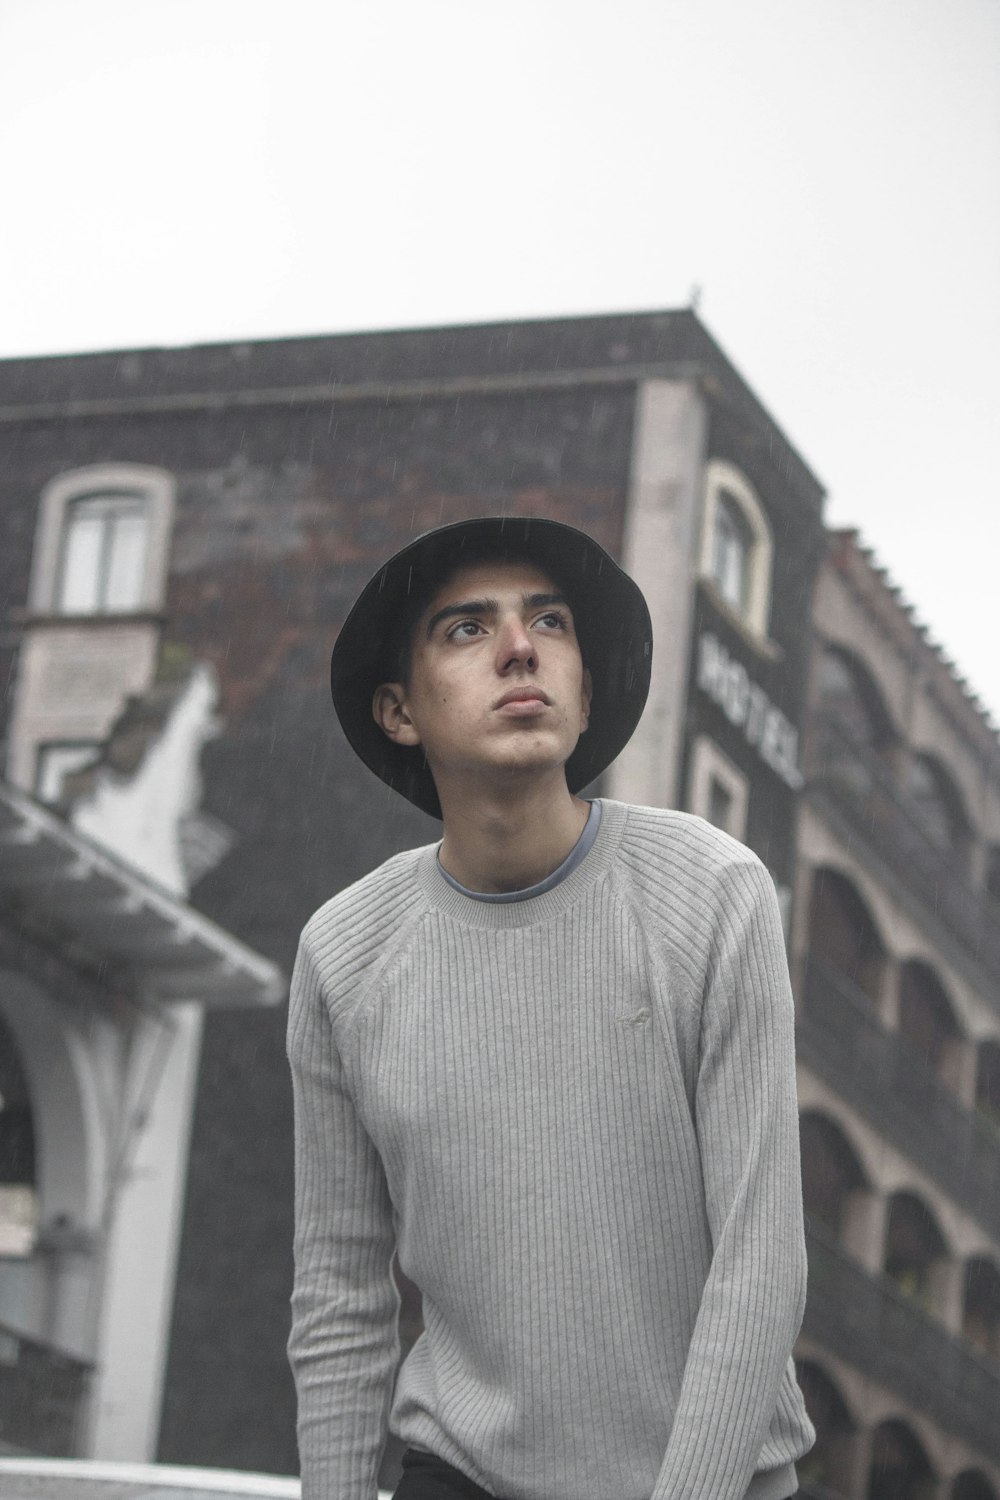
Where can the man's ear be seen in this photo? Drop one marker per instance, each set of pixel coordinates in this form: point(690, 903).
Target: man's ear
point(390, 714)
point(587, 692)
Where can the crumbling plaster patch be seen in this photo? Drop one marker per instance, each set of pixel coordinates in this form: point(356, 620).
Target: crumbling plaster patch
point(139, 817)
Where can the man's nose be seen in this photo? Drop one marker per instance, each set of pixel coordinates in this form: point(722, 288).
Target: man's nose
point(515, 646)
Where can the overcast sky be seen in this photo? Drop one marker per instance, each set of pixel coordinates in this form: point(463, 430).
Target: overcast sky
point(827, 172)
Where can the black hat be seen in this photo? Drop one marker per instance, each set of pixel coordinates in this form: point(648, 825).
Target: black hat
point(609, 612)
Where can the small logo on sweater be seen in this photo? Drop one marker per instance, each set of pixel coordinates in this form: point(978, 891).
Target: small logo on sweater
point(638, 1019)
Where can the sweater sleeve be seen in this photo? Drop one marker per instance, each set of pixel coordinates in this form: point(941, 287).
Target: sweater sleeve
point(747, 1125)
point(343, 1346)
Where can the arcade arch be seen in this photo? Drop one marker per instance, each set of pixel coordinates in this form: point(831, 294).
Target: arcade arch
point(829, 1461)
point(972, 1484)
point(834, 1184)
point(843, 934)
point(915, 1250)
point(850, 695)
point(900, 1468)
point(927, 1020)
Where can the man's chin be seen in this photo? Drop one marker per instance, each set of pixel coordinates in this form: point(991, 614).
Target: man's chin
point(515, 770)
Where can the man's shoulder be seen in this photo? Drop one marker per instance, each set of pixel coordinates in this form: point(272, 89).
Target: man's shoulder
point(664, 840)
point(681, 871)
point(352, 928)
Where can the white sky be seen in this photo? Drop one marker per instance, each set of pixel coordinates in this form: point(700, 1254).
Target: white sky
point(827, 171)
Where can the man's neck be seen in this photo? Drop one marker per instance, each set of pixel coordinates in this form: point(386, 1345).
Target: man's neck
point(504, 842)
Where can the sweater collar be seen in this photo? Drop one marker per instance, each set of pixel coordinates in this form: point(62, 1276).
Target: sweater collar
point(444, 897)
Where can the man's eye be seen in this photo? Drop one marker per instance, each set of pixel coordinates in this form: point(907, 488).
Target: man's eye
point(465, 629)
point(553, 620)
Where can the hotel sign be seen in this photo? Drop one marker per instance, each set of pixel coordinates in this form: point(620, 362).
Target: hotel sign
point(727, 682)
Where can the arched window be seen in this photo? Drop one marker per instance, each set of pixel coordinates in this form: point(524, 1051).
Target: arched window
point(828, 1462)
point(914, 1247)
point(736, 546)
point(102, 560)
point(18, 1197)
point(842, 933)
point(831, 1172)
point(101, 544)
point(849, 696)
point(936, 804)
point(926, 1018)
point(900, 1469)
point(732, 545)
point(981, 1306)
point(988, 1081)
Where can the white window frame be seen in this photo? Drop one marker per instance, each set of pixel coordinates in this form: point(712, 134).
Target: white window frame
point(77, 754)
point(155, 487)
point(708, 764)
point(722, 478)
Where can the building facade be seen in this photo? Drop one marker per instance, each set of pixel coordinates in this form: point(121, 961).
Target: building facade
point(184, 530)
point(896, 959)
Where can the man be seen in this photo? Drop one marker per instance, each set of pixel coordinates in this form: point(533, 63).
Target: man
point(549, 1062)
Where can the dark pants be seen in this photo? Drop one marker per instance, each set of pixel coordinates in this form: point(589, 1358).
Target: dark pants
point(426, 1477)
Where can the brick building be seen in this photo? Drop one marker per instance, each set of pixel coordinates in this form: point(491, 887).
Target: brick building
point(182, 533)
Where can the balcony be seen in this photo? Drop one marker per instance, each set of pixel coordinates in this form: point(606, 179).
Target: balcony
point(850, 781)
point(42, 1392)
point(864, 1320)
point(840, 1038)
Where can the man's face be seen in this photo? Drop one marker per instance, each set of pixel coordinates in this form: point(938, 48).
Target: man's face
point(496, 679)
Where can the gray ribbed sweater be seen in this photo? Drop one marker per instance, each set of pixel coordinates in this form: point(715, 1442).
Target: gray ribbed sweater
point(575, 1117)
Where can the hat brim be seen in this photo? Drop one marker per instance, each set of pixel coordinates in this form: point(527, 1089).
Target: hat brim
point(612, 625)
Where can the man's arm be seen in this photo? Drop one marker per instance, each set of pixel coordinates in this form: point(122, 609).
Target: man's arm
point(747, 1124)
point(343, 1346)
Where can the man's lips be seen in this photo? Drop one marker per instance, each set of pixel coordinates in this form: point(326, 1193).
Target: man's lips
point(524, 695)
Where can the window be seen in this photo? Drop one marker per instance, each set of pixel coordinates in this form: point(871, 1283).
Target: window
point(103, 556)
point(720, 803)
point(717, 790)
point(848, 694)
point(831, 1172)
point(736, 547)
point(926, 1017)
point(843, 935)
point(937, 805)
point(914, 1246)
point(732, 544)
point(102, 539)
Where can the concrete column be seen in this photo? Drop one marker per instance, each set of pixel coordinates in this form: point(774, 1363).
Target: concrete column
point(888, 1001)
point(863, 1230)
point(959, 1070)
point(857, 1464)
point(661, 530)
point(142, 1238)
point(947, 1288)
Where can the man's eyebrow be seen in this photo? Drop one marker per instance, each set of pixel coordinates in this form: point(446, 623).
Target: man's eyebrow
point(488, 607)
